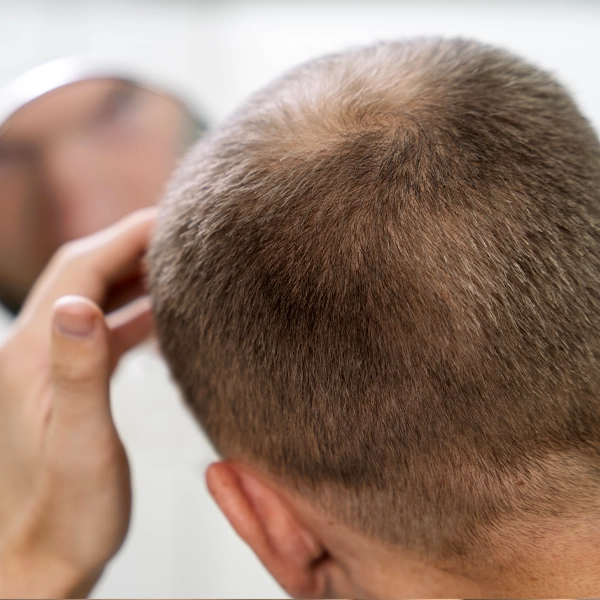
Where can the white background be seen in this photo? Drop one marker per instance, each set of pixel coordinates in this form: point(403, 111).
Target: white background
point(216, 53)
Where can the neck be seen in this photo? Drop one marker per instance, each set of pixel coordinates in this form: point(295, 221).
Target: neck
point(532, 559)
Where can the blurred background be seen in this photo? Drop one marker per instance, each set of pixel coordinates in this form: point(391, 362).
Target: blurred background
point(219, 51)
point(212, 54)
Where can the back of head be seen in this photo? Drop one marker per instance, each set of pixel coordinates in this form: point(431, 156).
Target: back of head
point(378, 281)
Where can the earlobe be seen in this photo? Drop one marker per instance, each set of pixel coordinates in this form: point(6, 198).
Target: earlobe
point(263, 519)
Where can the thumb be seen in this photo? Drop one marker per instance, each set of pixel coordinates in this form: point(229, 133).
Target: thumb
point(80, 361)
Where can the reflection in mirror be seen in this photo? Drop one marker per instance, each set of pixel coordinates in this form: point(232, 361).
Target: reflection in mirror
point(77, 159)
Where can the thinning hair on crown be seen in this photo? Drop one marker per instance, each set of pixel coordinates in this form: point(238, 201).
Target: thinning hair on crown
point(379, 281)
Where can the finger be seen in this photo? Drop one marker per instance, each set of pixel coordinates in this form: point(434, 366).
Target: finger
point(129, 327)
point(88, 267)
point(80, 365)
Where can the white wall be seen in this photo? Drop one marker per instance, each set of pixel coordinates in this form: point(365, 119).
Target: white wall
point(221, 51)
point(218, 52)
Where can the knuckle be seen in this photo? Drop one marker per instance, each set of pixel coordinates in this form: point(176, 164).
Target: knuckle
point(75, 377)
point(78, 254)
point(76, 250)
point(67, 254)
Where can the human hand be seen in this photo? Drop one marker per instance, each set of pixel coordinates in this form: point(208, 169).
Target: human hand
point(65, 491)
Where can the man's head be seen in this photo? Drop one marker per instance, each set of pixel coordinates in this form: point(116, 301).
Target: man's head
point(377, 285)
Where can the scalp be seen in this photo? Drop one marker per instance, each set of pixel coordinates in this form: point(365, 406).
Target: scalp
point(378, 280)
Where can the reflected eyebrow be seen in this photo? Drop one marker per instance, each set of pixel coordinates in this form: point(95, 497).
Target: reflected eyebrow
point(117, 89)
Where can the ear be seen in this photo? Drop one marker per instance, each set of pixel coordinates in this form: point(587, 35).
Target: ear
point(263, 519)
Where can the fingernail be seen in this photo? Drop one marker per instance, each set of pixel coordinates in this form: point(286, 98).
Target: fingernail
point(74, 320)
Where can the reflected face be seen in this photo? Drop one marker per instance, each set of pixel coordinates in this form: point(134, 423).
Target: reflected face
point(76, 160)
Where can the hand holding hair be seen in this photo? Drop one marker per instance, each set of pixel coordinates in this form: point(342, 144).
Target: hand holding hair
point(64, 475)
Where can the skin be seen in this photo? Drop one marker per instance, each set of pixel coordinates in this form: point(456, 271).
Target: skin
point(76, 160)
point(312, 555)
point(64, 475)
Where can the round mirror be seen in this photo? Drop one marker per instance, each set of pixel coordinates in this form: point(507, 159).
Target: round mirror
point(76, 159)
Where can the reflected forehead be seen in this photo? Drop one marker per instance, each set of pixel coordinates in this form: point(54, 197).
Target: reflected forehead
point(58, 110)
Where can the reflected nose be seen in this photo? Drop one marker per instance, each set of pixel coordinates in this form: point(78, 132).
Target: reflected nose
point(81, 194)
